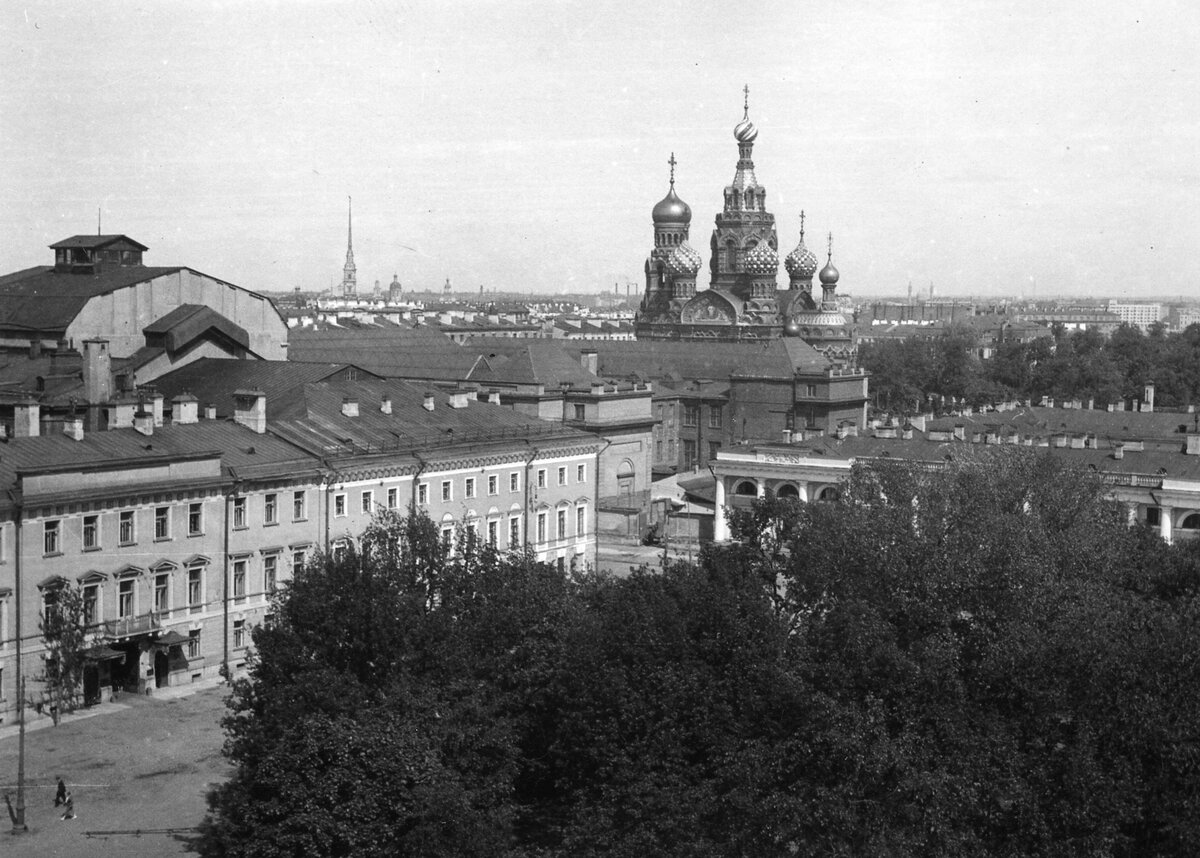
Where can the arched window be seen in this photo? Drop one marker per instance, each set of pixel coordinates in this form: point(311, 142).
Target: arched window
point(746, 487)
point(1190, 522)
point(788, 491)
point(829, 493)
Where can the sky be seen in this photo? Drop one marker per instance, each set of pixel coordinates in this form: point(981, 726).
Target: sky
point(987, 148)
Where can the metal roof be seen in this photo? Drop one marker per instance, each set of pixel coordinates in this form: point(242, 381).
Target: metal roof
point(42, 299)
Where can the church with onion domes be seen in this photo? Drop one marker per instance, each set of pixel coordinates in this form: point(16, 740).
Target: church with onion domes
point(743, 301)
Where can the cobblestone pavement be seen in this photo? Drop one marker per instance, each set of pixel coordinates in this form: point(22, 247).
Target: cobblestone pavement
point(142, 764)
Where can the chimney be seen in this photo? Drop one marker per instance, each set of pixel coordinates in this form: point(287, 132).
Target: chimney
point(73, 427)
point(1148, 398)
point(459, 399)
point(428, 403)
point(120, 414)
point(97, 371)
point(787, 436)
point(27, 419)
point(590, 359)
point(385, 404)
point(1119, 450)
point(156, 407)
point(906, 432)
point(1121, 405)
point(185, 409)
point(143, 422)
point(1193, 444)
point(210, 412)
point(349, 407)
point(250, 409)
point(494, 397)
point(960, 432)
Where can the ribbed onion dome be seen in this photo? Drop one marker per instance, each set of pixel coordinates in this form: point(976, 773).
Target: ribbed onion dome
point(671, 209)
point(801, 262)
point(829, 274)
point(745, 132)
point(762, 259)
point(684, 261)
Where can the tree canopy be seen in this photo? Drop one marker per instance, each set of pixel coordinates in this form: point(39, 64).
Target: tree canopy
point(977, 660)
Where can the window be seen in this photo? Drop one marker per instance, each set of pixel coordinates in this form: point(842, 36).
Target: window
point(339, 505)
point(91, 604)
point(51, 530)
point(239, 512)
point(162, 522)
point(193, 650)
point(580, 412)
point(91, 532)
point(715, 415)
point(239, 580)
point(514, 532)
point(298, 506)
point(541, 478)
point(50, 603)
point(195, 519)
point(423, 493)
point(810, 390)
point(162, 585)
point(195, 591)
point(493, 533)
point(270, 508)
point(446, 493)
point(714, 447)
point(447, 537)
point(514, 481)
point(393, 498)
point(125, 598)
point(541, 527)
point(126, 533)
point(562, 476)
point(470, 487)
point(297, 563)
point(493, 485)
point(691, 415)
point(367, 501)
point(581, 473)
point(239, 634)
point(1153, 518)
point(560, 530)
point(580, 520)
point(689, 454)
point(270, 573)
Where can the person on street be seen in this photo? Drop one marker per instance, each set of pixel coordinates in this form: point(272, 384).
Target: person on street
point(60, 796)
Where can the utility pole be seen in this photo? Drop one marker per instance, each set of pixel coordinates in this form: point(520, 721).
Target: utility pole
point(19, 826)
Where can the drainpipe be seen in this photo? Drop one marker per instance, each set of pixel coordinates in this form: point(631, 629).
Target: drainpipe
point(596, 505)
point(528, 471)
point(19, 825)
point(233, 488)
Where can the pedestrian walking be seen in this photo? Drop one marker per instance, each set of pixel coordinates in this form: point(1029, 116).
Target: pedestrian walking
point(60, 795)
point(69, 807)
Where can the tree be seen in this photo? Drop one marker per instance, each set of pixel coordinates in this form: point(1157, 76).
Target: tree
point(63, 635)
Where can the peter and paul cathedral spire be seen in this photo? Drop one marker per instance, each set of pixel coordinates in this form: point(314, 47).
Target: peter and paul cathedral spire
point(349, 275)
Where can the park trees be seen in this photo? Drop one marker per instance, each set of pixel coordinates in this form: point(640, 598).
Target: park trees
point(975, 659)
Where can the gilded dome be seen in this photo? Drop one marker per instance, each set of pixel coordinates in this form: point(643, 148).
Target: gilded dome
point(801, 262)
point(671, 209)
point(762, 259)
point(745, 132)
point(684, 261)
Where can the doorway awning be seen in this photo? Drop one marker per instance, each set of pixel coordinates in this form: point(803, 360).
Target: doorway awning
point(102, 652)
point(171, 638)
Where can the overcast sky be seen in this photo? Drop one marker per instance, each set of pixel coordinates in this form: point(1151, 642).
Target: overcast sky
point(986, 147)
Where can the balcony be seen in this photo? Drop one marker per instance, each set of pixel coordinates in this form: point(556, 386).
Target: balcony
point(128, 627)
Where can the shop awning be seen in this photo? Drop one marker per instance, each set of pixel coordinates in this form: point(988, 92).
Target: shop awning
point(171, 638)
point(102, 652)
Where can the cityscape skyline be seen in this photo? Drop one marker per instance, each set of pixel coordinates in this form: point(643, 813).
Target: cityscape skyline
point(986, 148)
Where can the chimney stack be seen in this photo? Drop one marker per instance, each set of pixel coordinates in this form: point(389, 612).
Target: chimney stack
point(185, 409)
point(250, 409)
point(428, 403)
point(73, 427)
point(143, 422)
point(27, 419)
point(97, 371)
point(590, 359)
point(385, 404)
point(210, 412)
point(1148, 398)
point(349, 407)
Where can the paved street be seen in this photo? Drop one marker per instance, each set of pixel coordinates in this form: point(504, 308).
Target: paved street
point(139, 764)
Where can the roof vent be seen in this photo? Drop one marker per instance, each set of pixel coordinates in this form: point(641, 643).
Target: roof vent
point(385, 404)
point(349, 407)
point(428, 403)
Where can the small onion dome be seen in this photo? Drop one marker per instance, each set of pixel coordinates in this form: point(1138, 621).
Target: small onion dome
point(671, 209)
point(684, 261)
point(762, 259)
point(792, 328)
point(745, 132)
point(829, 275)
point(801, 262)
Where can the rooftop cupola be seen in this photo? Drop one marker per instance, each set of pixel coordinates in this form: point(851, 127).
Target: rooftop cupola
point(91, 254)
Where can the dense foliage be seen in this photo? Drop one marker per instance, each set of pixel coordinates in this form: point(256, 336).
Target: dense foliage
point(1078, 365)
point(64, 633)
point(981, 660)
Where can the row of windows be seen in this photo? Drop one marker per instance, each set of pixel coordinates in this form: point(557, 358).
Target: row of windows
point(94, 533)
point(691, 415)
point(561, 518)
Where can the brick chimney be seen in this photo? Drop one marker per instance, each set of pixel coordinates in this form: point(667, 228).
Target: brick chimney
point(185, 408)
point(27, 419)
point(73, 427)
point(250, 409)
point(143, 421)
point(428, 403)
point(97, 371)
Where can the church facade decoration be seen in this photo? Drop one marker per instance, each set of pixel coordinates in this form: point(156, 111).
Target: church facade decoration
point(743, 300)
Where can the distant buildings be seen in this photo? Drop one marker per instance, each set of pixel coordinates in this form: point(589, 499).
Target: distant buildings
point(1140, 316)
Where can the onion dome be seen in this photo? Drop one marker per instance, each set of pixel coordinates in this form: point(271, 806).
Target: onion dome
point(684, 261)
point(744, 131)
point(671, 209)
point(829, 274)
point(801, 262)
point(762, 259)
